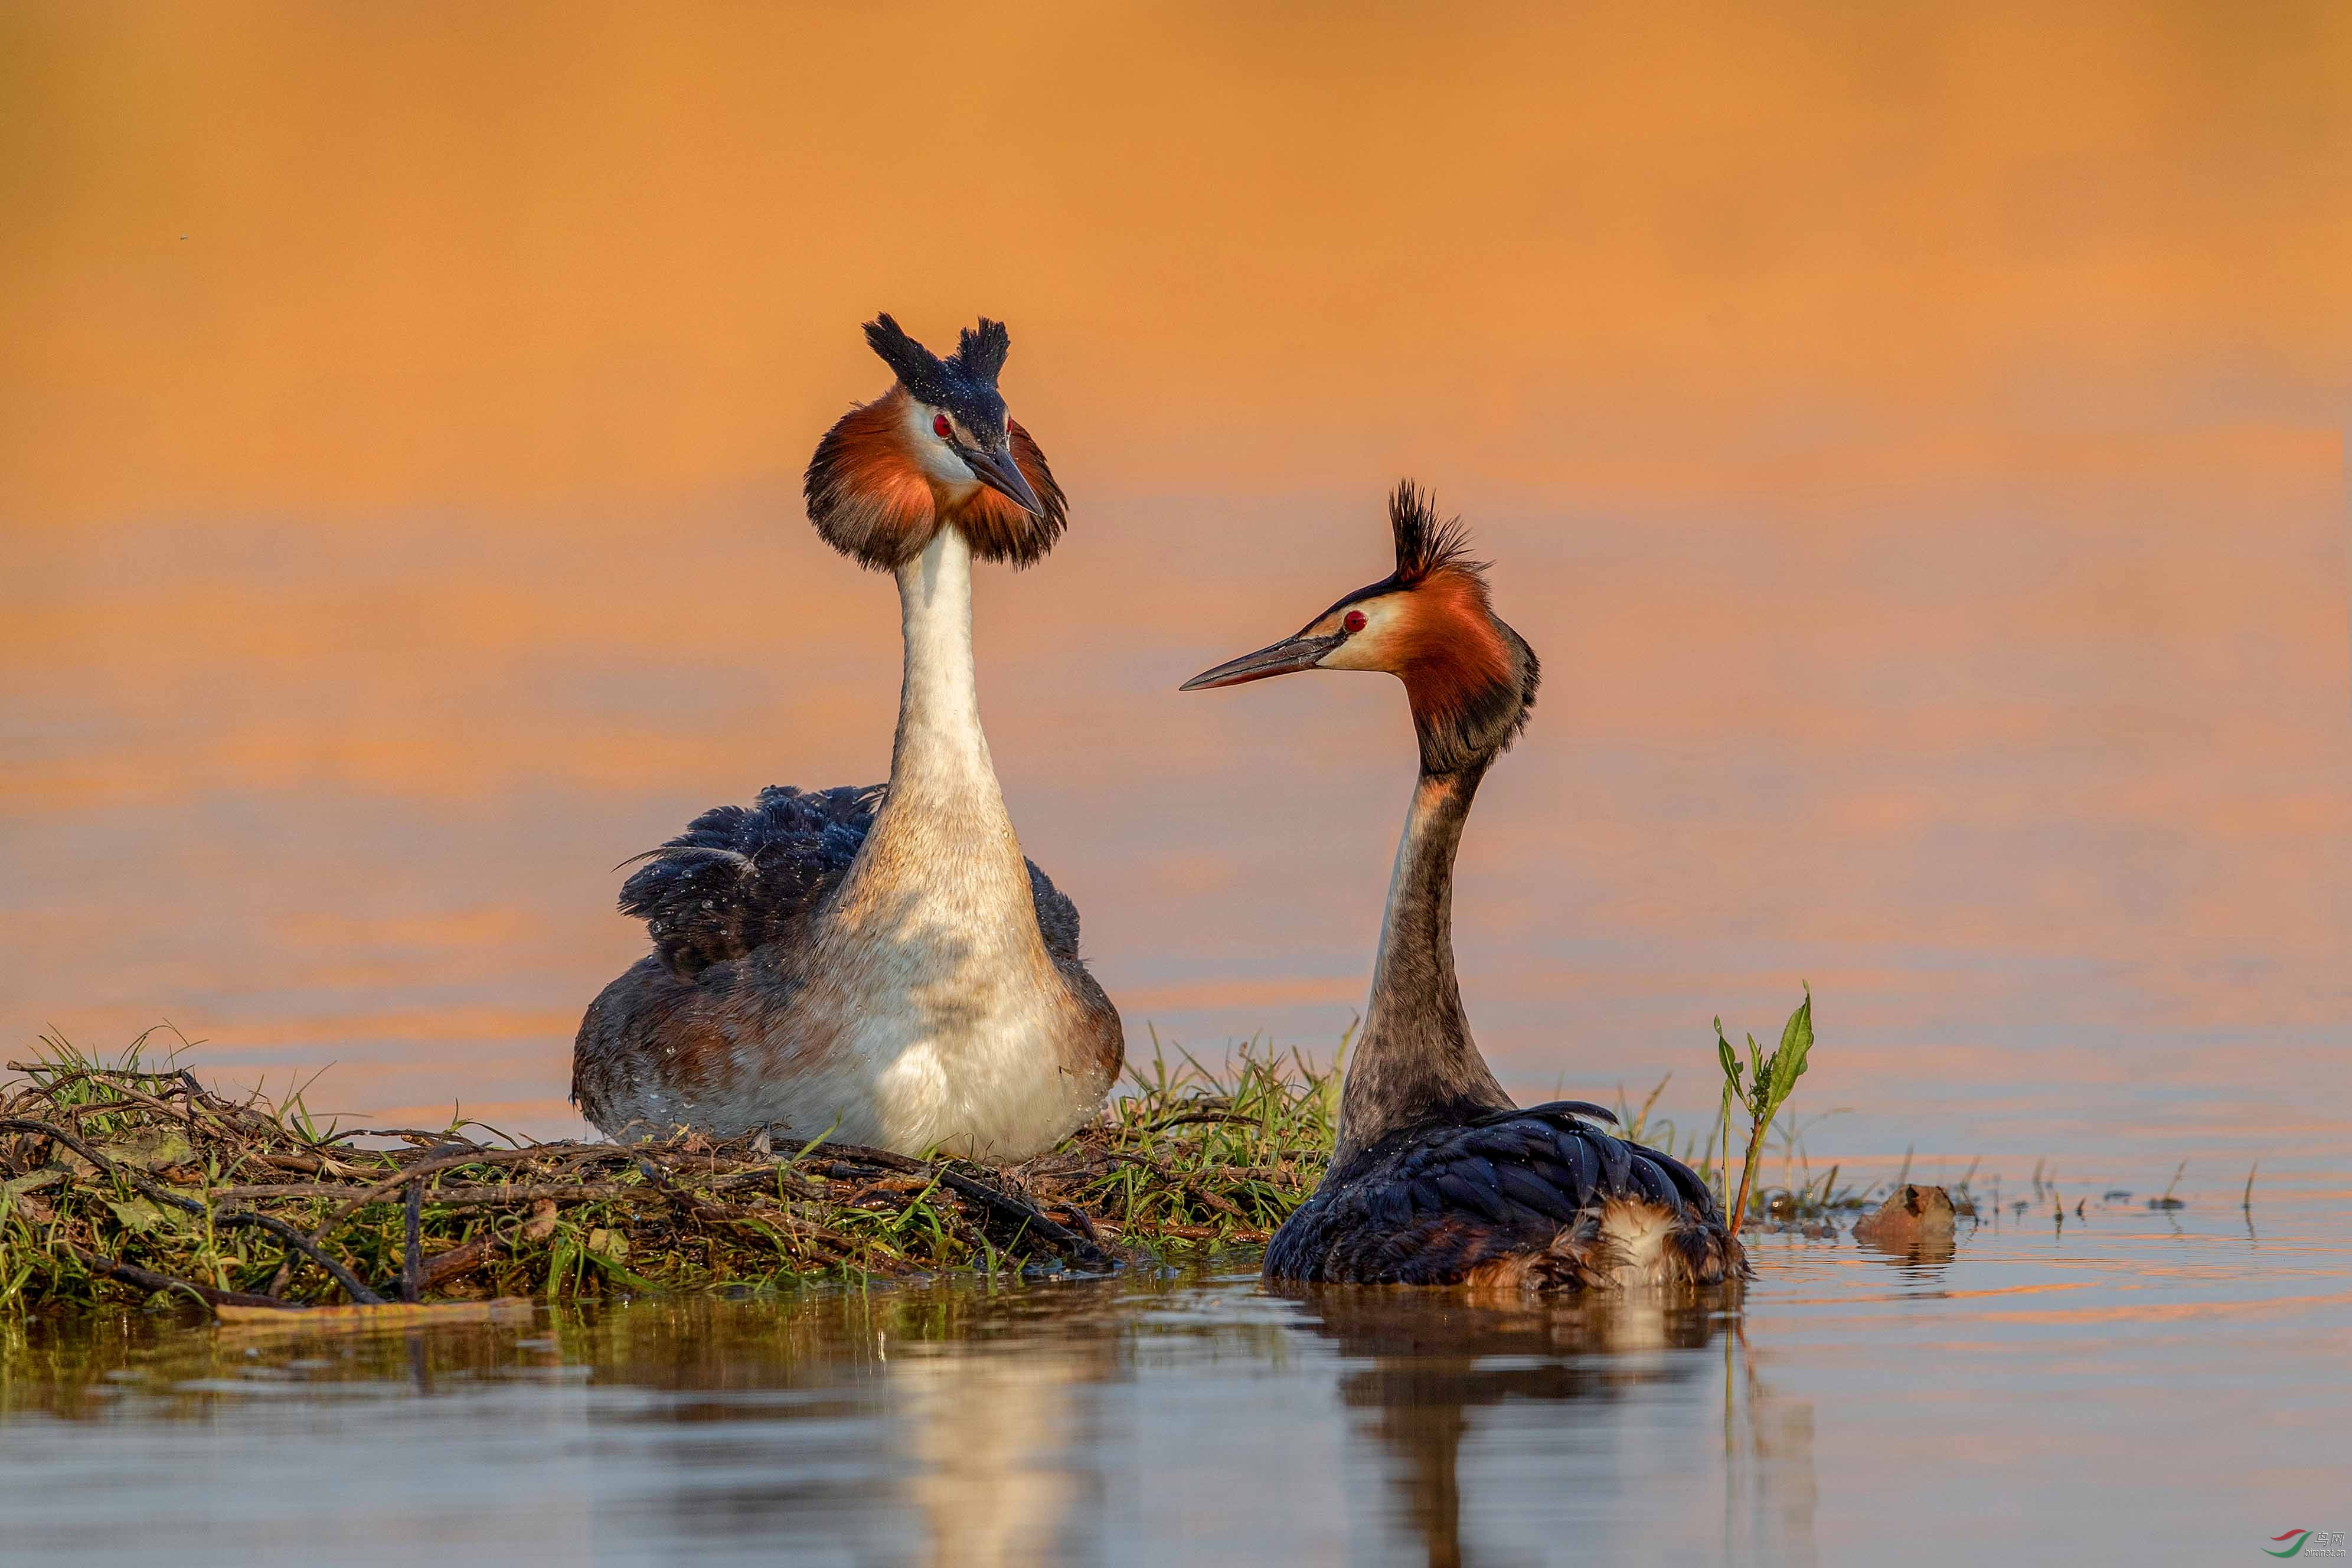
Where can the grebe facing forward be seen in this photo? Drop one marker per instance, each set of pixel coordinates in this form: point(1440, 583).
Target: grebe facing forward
point(880, 964)
point(1438, 1179)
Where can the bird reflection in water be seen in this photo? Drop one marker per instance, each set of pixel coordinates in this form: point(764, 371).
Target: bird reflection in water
point(1429, 1366)
point(933, 1424)
point(1919, 1258)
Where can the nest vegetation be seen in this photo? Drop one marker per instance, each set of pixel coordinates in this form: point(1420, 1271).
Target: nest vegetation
point(130, 1180)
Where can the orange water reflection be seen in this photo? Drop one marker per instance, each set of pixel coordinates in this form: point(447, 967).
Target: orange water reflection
point(2157, 1383)
point(1914, 444)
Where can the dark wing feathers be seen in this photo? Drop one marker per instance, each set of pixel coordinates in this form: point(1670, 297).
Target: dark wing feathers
point(1428, 1206)
point(741, 878)
point(1652, 1183)
point(1552, 1110)
point(1527, 1187)
point(1057, 918)
point(1460, 1188)
point(1694, 1191)
point(1616, 1164)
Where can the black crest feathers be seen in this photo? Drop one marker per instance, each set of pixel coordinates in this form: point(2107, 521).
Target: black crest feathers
point(1425, 544)
point(919, 370)
point(964, 382)
point(980, 350)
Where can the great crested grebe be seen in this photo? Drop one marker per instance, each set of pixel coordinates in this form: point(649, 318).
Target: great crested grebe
point(1438, 1179)
point(880, 963)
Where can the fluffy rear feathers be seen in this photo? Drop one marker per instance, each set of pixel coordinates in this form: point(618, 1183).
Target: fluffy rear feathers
point(742, 878)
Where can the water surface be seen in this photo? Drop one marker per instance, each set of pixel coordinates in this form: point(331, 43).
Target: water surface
point(1914, 446)
point(2127, 1386)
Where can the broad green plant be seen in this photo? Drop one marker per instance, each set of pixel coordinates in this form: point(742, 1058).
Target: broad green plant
point(1762, 1085)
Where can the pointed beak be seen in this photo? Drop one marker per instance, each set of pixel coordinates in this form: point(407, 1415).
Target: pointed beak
point(999, 472)
point(1285, 657)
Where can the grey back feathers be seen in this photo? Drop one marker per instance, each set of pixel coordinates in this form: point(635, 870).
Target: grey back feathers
point(743, 877)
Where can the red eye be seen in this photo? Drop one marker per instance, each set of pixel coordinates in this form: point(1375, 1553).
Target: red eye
point(1355, 620)
point(939, 425)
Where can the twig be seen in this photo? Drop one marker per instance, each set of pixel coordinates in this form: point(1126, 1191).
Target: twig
point(358, 1293)
point(316, 1164)
point(1086, 1253)
point(391, 1184)
point(484, 1197)
point(1083, 1222)
point(132, 1274)
point(412, 1245)
point(1190, 1117)
point(443, 1266)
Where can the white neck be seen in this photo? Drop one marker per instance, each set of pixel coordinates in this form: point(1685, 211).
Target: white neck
point(942, 832)
point(940, 747)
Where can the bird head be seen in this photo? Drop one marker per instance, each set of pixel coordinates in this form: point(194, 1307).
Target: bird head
point(937, 450)
point(1471, 679)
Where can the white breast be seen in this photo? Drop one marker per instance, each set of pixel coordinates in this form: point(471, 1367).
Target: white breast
point(930, 1013)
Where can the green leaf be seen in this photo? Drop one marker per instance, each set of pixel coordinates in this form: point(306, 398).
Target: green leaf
point(157, 1149)
point(19, 1186)
point(139, 1215)
point(1723, 1050)
point(1796, 1045)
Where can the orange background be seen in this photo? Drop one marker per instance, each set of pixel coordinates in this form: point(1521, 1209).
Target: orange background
point(1913, 440)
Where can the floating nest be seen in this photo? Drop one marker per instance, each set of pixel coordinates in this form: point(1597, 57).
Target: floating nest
point(130, 1181)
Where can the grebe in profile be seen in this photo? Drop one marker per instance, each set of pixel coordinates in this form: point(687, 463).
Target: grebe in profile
point(1438, 1179)
point(880, 964)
